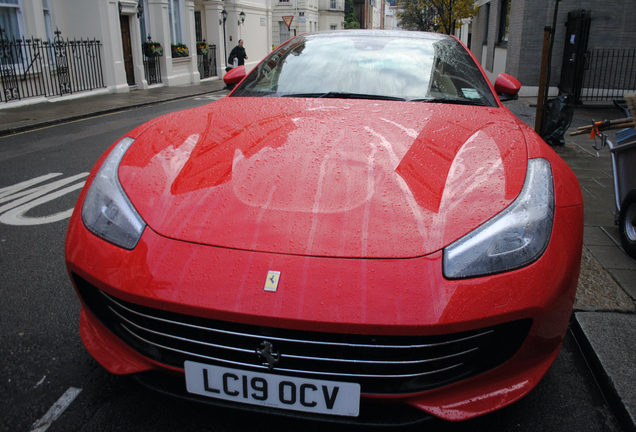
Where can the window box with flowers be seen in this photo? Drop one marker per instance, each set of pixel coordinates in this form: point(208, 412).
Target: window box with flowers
point(153, 49)
point(179, 50)
point(202, 48)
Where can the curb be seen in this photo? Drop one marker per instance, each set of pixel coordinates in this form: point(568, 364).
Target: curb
point(46, 123)
point(603, 380)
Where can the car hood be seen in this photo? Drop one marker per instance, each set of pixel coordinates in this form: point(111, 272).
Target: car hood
point(325, 177)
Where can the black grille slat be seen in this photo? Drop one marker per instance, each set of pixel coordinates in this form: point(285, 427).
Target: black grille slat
point(304, 357)
point(381, 364)
point(264, 368)
point(273, 338)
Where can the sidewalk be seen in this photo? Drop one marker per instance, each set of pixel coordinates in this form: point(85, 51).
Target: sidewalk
point(24, 115)
point(604, 321)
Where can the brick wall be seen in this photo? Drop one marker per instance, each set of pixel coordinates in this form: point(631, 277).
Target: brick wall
point(612, 27)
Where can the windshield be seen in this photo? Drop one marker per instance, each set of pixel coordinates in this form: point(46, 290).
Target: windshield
point(370, 67)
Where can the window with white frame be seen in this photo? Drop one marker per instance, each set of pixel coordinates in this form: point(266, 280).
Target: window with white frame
point(143, 23)
point(11, 19)
point(176, 35)
point(48, 25)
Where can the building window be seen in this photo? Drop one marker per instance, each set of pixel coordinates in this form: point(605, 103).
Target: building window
point(333, 27)
point(47, 19)
point(504, 23)
point(176, 35)
point(198, 30)
point(143, 24)
point(283, 1)
point(487, 26)
point(11, 19)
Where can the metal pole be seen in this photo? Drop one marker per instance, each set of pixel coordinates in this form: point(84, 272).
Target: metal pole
point(546, 66)
point(549, 72)
point(224, 42)
point(538, 122)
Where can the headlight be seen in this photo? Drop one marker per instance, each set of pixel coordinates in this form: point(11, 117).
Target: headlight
point(515, 237)
point(107, 212)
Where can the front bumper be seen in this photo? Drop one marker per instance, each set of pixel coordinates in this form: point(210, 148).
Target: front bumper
point(401, 298)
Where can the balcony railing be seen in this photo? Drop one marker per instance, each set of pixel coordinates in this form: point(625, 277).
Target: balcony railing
point(33, 67)
point(206, 62)
point(332, 5)
point(152, 69)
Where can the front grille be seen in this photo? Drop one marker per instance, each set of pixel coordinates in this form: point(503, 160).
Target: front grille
point(381, 364)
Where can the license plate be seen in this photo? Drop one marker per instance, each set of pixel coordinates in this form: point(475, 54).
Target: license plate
point(277, 391)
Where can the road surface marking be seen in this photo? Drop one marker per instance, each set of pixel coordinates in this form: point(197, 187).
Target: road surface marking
point(56, 410)
point(26, 199)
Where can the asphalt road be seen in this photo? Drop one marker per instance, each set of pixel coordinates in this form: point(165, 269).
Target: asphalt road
point(42, 357)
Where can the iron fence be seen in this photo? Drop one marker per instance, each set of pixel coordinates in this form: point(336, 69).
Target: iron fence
point(33, 67)
point(152, 69)
point(609, 73)
point(207, 63)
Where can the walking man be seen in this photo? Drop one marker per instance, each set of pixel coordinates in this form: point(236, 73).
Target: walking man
point(238, 52)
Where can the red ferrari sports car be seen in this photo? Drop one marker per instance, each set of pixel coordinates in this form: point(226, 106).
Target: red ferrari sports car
point(359, 232)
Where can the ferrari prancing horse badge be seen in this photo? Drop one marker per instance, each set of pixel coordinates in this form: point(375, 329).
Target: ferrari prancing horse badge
point(271, 284)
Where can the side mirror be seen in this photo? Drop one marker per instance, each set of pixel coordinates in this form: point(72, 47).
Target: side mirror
point(507, 87)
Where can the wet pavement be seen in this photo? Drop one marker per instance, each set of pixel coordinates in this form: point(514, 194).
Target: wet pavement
point(604, 321)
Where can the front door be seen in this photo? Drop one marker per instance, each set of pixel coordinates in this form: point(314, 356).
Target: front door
point(126, 45)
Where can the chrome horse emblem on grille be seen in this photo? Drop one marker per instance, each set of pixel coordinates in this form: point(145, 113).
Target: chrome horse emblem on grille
point(266, 351)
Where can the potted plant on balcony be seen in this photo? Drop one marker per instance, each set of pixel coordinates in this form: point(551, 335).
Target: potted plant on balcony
point(179, 50)
point(202, 48)
point(153, 49)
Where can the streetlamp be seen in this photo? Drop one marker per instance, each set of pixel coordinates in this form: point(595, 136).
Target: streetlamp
point(242, 18)
point(224, 13)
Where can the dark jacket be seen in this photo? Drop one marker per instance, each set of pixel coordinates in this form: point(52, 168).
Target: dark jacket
point(239, 53)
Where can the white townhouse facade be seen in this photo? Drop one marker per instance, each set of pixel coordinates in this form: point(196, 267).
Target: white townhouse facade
point(122, 26)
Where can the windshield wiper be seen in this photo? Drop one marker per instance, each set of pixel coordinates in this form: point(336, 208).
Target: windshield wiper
point(344, 95)
point(456, 101)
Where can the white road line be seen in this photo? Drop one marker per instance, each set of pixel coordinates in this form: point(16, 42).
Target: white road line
point(25, 184)
point(16, 216)
point(38, 191)
point(56, 410)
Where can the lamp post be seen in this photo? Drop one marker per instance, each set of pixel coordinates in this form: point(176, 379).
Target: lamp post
point(224, 13)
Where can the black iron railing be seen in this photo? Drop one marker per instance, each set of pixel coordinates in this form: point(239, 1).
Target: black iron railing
point(207, 63)
point(33, 67)
point(609, 74)
point(152, 69)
